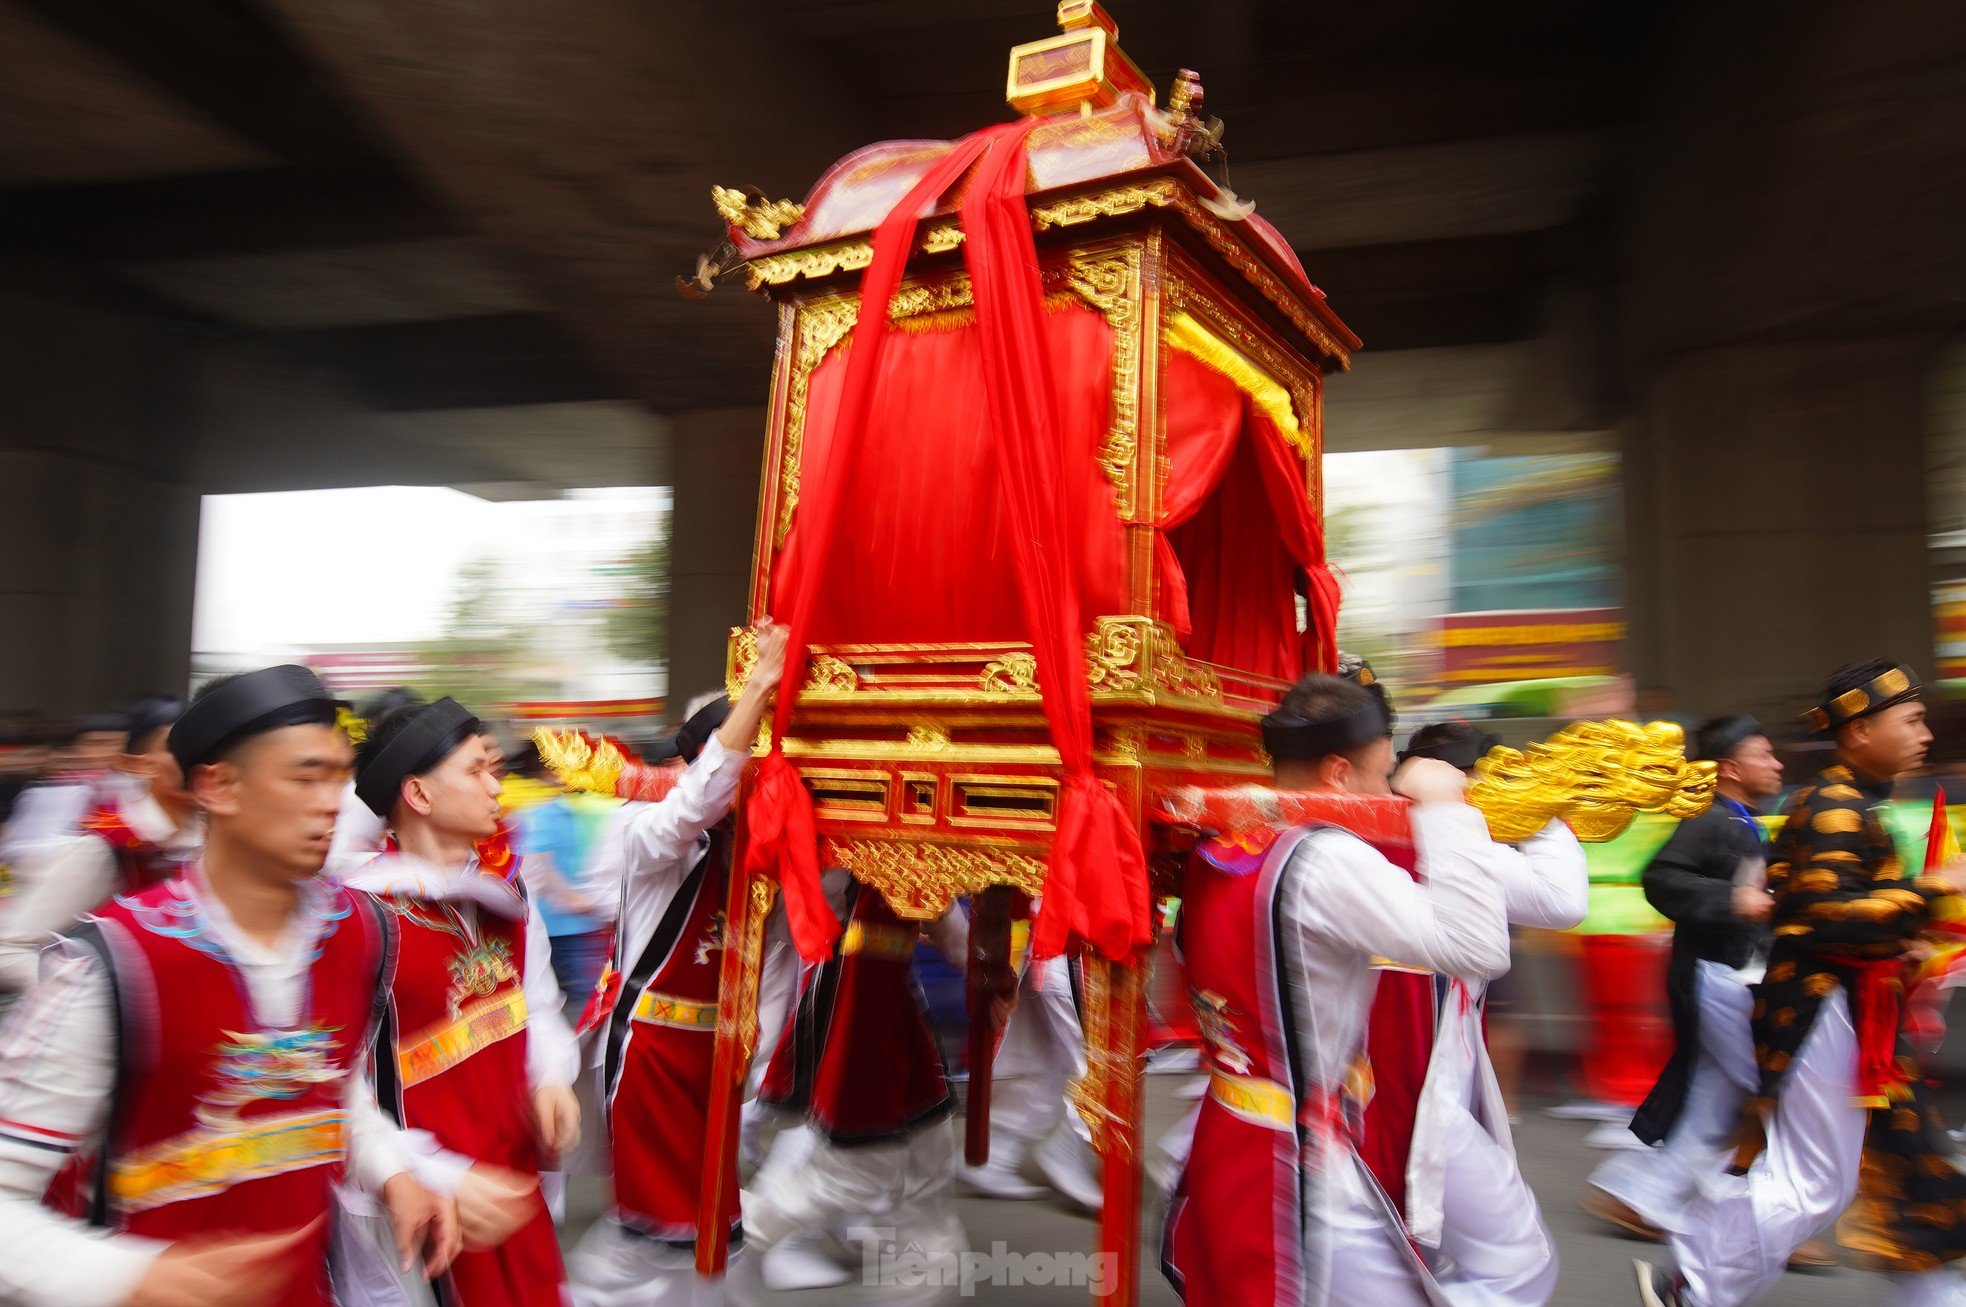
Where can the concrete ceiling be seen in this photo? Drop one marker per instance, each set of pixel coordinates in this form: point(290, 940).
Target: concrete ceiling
point(443, 209)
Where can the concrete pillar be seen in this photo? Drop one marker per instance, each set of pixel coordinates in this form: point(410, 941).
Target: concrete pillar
point(1776, 519)
point(95, 596)
point(717, 455)
point(1789, 265)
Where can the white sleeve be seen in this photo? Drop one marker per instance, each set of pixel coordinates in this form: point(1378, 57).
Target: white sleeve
point(657, 835)
point(552, 1056)
point(1451, 921)
point(376, 1148)
point(57, 1064)
point(358, 835)
point(1545, 881)
point(44, 812)
point(55, 882)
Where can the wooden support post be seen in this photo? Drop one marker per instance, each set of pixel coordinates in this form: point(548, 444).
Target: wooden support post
point(745, 911)
point(1110, 1100)
point(990, 988)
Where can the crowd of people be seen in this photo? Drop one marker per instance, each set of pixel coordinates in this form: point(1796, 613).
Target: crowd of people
point(306, 1008)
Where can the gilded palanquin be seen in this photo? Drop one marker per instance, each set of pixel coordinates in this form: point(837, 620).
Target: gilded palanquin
point(918, 726)
point(1186, 351)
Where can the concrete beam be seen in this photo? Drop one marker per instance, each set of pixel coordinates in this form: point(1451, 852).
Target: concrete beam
point(239, 213)
point(1495, 186)
point(584, 137)
point(230, 64)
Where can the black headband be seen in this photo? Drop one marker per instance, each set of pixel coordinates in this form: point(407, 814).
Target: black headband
point(693, 734)
point(432, 735)
point(1720, 737)
point(1286, 735)
point(149, 717)
point(1461, 750)
point(252, 704)
point(1895, 686)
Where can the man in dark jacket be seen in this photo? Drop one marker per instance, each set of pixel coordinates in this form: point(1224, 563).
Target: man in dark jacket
point(1708, 878)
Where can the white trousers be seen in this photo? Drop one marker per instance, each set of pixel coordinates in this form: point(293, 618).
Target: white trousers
point(614, 1268)
point(1495, 1250)
point(1371, 1263)
point(1740, 1231)
point(1043, 1048)
point(880, 1199)
point(1660, 1183)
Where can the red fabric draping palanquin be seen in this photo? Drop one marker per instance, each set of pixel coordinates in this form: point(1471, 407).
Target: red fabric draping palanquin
point(1035, 509)
point(924, 554)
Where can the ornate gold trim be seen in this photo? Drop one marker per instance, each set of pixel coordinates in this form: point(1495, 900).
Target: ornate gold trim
point(825, 673)
point(745, 1001)
point(921, 881)
point(1015, 673)
point(755, 216)
point(1164, 193)
point(1131, 655)
point(928, 737)
point(1111, 285)
point(829, 675)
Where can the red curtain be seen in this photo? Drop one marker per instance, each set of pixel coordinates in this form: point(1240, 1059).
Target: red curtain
point(936, 562)
point(1238, 540)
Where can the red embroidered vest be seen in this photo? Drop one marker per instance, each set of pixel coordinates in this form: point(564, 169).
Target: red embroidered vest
point(1234, 1230)
point(139, 862)
point(452, 1061)
point(221, 1122)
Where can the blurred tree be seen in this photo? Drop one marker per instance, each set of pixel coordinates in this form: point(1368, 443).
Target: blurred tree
point(482, 659)
point(637, 627)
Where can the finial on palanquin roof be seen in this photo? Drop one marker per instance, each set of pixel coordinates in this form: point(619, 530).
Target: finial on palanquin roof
point(1082, 67)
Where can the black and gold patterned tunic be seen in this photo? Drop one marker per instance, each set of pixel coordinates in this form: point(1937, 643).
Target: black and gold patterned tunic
point(1845, 910)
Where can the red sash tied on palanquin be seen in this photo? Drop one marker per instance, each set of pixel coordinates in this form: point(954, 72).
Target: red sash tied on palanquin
point(859, 1058)
point(660, 1046)
point(222, 1124)
point(452, 1061)
point(140, 863)
point(1234, 1231)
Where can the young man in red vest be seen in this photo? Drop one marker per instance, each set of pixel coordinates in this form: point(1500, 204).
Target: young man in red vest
point(1275, 1208)
point(125, 844)
point(474, 1058)
point(203, 1040)
point(655, 1018)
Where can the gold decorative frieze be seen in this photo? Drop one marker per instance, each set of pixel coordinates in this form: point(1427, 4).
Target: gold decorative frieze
point(829, 675)
point(1130, 655)
point(928, 737)
point(1015, 673)
point(1070, 211)
point(921, 881)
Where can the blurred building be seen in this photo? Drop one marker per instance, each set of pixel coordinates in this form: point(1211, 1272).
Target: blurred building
point(1533, 565)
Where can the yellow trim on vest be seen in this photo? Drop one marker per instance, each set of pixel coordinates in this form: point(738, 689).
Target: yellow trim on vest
point(476, 1028)
point(1264, 1102)
point(874, 940)
point(676, 1013)
point(203, 1161)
